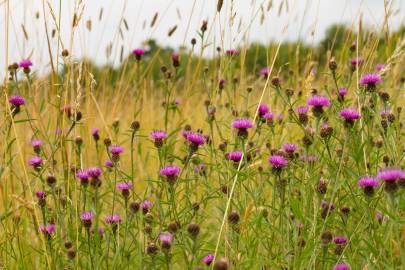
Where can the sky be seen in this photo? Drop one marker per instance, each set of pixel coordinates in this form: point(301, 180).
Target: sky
point(239, 22)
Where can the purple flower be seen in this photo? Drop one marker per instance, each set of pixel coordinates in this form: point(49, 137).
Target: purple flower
point(319, 101)
point(263, 109)
point(112, 219)
point(83, 175)
point(47, 229)
point(355, 62)
point(342, 92)
point(116, 149)
point(124, 186)
point(269, 117)
point(35, 162)
point(368, 182)
point(195, 138)
point(231, 52)
point(36, 143)
point(302, 110)
point(370, 80)
point(25, 63)
point(265, 72)
point(138, 53)
point(40, 195)
point(242, 124)
point(340, 240)
point(87, 216)
point(145, 206)
point(221, 83)
point(341, 266)
point(207, 260)
point(277, 161)
point(94, 172)
point(234, 156)
point(158, 135)
point(349, 114)
point(16, 101)
point(379, 67)
point(391, 175)
point(108, 163)
point(166, 238)
point(170, 171)
point(289, 147)
point(95, 132)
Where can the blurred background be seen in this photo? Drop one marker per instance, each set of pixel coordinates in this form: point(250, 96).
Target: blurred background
point(108, 30)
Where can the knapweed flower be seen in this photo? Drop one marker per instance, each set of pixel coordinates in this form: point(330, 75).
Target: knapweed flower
point(342, 92)
point(349, 115)
point(265, 72)
point(113, 219)
point(370, 81)
point(302, 114)
point(242, 125)
point(195, 139)
point(16, 101)
point(368, 184)
point(145, 206)
point(116, 151)
point(171, 173)
point(47, 229)
point(390, 177)
point(41, 195)
point(289, 147)
point(235, 156)
point(25, 63)
point(83, 176)
point(86, 218)
point(379, 67)
point(327, 207)
point(138, 53)
point(36, 145)
point(108, 163)
point(166, 240)
point(35, 162)
point(355, 62)
point(158, 136)
point(269, 117)
point(263, 109)
point(231, 52)
point(278, 162)
point(124, 187)
point(207, 260)
point(175, 59)
point(341, 266)
point(221, 83)
point(95, 132)
point(94, 173)
point(340, 240)
point(317, 103)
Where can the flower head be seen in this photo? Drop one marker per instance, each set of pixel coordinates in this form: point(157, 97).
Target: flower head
point(302, 110)
point(35, 162)
point(87, 216)
point(166, 237)
point(25, 63)
point(319, 101)
point(124, 186)
point(370, 80)
point(234, 156)
point(379, 67)
point(116, 149)
point(195, 138)
point(94, 172)
point(47, 229)
point(16, 101)
point(40, 195)
point(138, 53)
point(231, 52)
point(83, 175)
point(278, 161)
point(289, 147)
point(342, 92)
point(341, 266)
point(112, 219)
point(36, 143)
point(146, 205)
point(265, 72)
point(355, 62)
point(349, 114)
point(390, 175)
point(158, 135)
point(108, 163)
point(340, 240)
point(242, 123)
point(95, 132)
point(368, 182)
point(207, 260)
point(263, 109)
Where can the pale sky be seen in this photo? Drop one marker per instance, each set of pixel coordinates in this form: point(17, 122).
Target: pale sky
point(295, 19)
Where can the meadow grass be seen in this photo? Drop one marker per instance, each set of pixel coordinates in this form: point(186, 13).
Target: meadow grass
point(177, 161)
